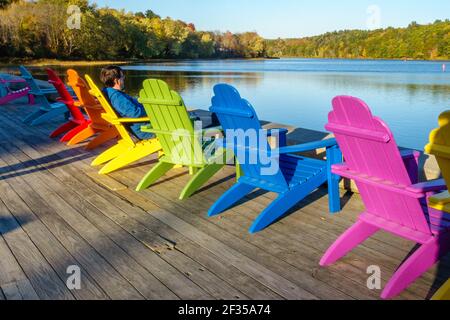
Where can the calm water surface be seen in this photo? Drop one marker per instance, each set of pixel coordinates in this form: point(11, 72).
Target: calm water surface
point(409, 96)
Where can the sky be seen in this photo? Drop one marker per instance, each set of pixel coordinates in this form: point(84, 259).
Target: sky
point(290, 18)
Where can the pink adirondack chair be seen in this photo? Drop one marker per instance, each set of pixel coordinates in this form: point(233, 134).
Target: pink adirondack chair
point(394, 201)
point(7, 94)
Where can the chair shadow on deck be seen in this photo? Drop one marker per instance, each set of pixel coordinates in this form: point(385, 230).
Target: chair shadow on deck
point(9, 224)
point(41, 164)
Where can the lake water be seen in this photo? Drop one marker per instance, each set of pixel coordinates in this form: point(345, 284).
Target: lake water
point(408, 95)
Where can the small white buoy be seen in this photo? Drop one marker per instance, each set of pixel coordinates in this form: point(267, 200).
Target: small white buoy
point(444, 67)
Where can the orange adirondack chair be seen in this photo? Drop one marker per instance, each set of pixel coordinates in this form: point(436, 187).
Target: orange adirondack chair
point(98, 127)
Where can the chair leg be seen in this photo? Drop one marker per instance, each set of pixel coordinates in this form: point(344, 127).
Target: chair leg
point(154, 175)
point(199, 179)
point(229, 198)
point(72, 133)
point(353, 237)
point(334, 156)
point(102, 138)
point(63, 129)
point(140, 151)
point(111, 153)
point(82, 136)
point(28, 119)
point(422, 260)
point(48, 116)
point(286, 201)
point(275, 210)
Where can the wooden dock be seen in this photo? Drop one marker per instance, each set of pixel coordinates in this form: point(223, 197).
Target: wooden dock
point(56, 211)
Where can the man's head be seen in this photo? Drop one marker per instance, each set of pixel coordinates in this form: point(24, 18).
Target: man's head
point(113, 77)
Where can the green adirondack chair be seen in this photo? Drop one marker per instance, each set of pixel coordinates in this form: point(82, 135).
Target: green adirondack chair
point(179, 139)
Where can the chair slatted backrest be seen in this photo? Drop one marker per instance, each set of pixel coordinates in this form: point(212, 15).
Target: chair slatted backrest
point(90, 104)
point(238, 118)
point(370, 149)
point(439, 145)
point(109, 110)
point(64, 94)
point(171, 122)
point(39, 95)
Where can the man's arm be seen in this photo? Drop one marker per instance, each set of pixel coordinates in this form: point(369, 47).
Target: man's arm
point(127, 106)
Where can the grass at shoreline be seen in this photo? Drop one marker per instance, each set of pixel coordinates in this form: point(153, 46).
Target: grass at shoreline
point(56, 62)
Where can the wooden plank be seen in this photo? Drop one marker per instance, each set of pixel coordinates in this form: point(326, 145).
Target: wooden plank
point(44, 279)
point(144, 282)
point(106, 181)
point(163, 246)
point(187, 288)
point(87, 258)
point(20, 290)
point(226, 271)
point(59, 258)
point(11, 272)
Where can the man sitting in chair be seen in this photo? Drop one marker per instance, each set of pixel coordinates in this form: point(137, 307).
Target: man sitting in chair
point(128, 107)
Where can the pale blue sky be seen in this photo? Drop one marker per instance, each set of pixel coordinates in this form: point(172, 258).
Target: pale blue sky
point(289, 18)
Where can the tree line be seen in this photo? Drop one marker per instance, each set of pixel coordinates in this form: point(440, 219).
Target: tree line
point(428, 42)
point(38, 29)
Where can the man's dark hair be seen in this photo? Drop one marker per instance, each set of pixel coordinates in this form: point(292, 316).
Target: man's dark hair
point(110, 74)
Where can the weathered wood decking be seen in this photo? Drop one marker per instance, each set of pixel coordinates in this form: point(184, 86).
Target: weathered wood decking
point(56, 211)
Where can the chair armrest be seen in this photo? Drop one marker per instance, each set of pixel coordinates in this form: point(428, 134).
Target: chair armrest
point(410, 154)
point(213, 132)
point(36, 93)
point(309, 146)
point(429, 186)
point(124, 120)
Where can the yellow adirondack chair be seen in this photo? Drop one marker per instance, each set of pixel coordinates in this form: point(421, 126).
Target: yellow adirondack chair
point(126, 151)
point(443, 293)
point(439, 146)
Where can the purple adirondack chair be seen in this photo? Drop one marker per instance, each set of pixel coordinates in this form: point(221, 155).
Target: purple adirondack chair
point(394, 201)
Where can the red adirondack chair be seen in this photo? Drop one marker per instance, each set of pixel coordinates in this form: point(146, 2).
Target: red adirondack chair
point(77, 121)
point(394, 201)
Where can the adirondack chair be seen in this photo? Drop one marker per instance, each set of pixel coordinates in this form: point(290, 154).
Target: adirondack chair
point(439, 146)
point(443, 293)
point(295, 178)
point(126, 151)
point(181, 146)
point(47, 110)
point(77, 121)
point(98, 127)
point(394, 201)
point(7, 94)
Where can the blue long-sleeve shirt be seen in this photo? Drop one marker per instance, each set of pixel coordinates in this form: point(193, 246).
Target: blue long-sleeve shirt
point(128, 107)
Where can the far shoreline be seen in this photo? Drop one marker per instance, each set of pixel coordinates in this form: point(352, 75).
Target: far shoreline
point(58, 62)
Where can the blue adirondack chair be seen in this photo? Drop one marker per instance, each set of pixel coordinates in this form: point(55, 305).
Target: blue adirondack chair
point(295, 178)
point(45, 110)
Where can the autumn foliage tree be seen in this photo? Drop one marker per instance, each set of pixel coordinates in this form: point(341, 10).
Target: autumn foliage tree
point(39, 30)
